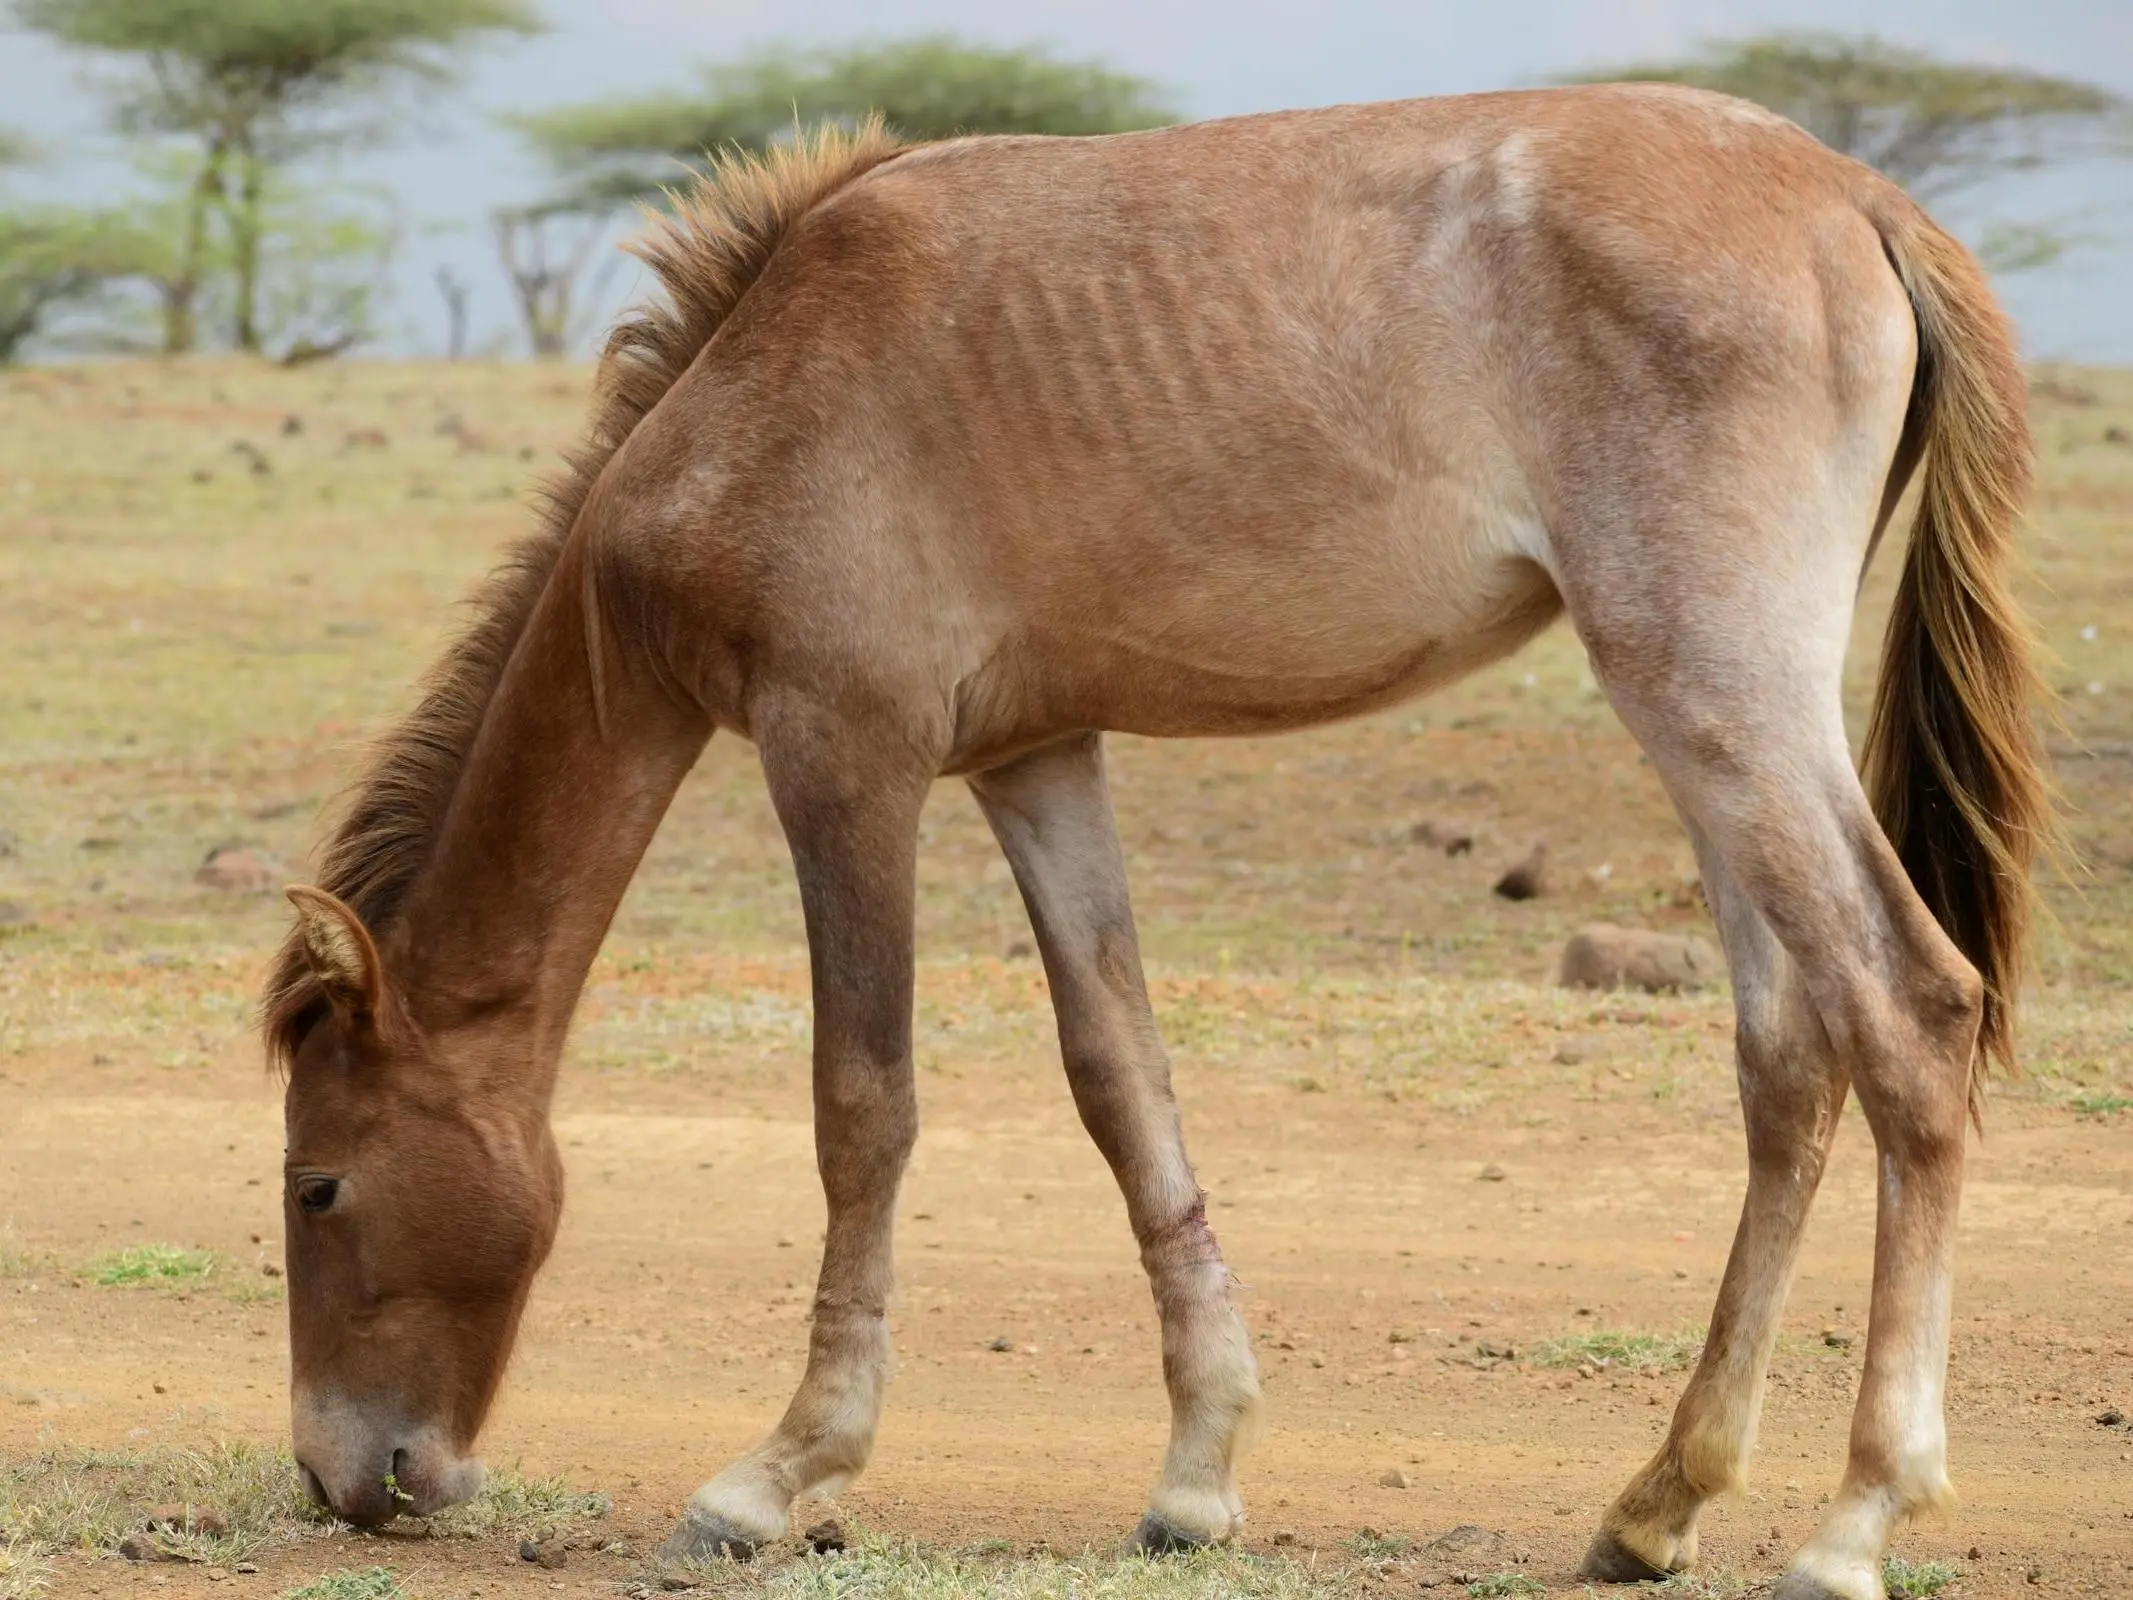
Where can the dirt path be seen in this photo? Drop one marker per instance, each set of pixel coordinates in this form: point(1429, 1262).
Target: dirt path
point(668, 1329)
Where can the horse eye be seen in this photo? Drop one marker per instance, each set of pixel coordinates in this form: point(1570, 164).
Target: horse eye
point(316, 1194)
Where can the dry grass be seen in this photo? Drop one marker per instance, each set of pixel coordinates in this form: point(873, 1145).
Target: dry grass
point(64, 1499)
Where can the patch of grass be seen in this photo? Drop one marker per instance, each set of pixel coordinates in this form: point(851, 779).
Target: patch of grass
point(151, 1263)
point(1505, 1583)
point(1634, 1352)
point(1914, 1580)
point(522, 1507)
point(88, 1500)
point(1372, 1545)
point(16, 1261)
point(2100, 1104)
point(378, 1583)
point(878, 1569)
point(24, 1570)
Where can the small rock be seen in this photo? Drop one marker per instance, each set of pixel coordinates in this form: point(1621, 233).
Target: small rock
point(1445, 836)
point(176, 1518)
point(1002, 1345)
point(245, 1567)
point(1392, 1478)
point(1490, 1350)
point(268, 1269)
point(676, 1582)
point(2112, 1417)
point(1528, 878)
point(1604, 956)
point(1492, 1173)
point(1975, 1554)
point(291, 426)
point(14, 914)
point(237, 871)
point(1021, 950)
point(1575, 1052)
point(1284, 1536)
point(1836, 1339)
point(825, 1537)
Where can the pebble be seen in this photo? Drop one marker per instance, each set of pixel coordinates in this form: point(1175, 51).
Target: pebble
point(825, 1537)
point(1392, 1478)
point(1002, 1345)
point(176, 1518)
point(1492, 1173)
point(1528, 879)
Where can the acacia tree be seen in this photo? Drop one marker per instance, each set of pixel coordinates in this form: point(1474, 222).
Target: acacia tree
point(1936, 127)
point(606, 157)
point(926, 88)
point(53, 256)
point(248, 85)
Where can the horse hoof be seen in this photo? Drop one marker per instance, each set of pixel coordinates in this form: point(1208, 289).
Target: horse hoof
point(1155, 1537)
point(1609, 1560)
point(700, 1538)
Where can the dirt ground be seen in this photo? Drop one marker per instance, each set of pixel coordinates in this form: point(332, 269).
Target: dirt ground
point(1417, 1150)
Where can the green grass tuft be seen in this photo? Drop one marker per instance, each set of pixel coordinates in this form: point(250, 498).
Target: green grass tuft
point(151, 1263)
point(376, 1584)
point(1505, 1583)
point(522, 1507)
point(1914, 1580)
point(1372, 1545)
point(1634, 1352)
point(2100, 1104)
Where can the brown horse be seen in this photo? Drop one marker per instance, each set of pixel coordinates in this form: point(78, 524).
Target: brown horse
point(945, 460)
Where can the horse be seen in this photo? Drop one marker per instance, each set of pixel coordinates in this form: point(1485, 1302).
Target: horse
point(946, 460)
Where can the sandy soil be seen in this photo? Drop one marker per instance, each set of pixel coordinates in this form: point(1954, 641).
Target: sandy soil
point(666, 1333)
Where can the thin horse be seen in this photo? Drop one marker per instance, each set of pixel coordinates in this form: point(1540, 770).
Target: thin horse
point(945, 460)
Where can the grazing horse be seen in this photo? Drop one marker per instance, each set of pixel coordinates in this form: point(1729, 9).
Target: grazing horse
point(945, 460)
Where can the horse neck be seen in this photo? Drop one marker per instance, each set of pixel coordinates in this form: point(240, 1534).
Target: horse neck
point(577, 758)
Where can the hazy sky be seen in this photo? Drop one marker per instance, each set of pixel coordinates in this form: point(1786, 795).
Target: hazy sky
point(452, 164)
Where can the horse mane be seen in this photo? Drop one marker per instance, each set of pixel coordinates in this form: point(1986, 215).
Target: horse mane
point(714, 242)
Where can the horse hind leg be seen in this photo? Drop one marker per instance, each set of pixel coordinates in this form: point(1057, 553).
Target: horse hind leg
point(1732, 686)
point(849, 801)
point(1792, 1093)
point(1051, 813)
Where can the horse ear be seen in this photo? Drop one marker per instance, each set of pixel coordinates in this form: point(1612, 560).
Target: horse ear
point(343, 956)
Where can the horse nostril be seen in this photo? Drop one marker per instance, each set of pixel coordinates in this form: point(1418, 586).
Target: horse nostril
point(313, 1489)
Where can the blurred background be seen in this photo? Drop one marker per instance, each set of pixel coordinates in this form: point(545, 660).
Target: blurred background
point(449, 177)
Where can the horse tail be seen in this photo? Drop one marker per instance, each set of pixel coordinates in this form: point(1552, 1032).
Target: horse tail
point(1952, 764)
